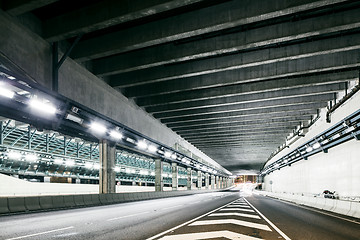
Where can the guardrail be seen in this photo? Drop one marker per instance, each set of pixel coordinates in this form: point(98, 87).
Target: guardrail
point(13, 205)
point(349, 208)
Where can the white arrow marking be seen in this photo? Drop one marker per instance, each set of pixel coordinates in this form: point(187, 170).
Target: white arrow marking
point(231, 221)
point(208, 235)
point(235, 214)
point(237, 209)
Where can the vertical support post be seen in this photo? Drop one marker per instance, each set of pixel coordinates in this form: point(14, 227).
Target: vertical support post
point(90, 151)
point(217, 182)
point(107, 164)
point(174, 169)
point(199, 180)
point(212, 181)
point(206, 181)
point(77, 150)
point(64, 146)
point(159, 183)
point(1, 133)
point(189, 178)
point(29, 138)
point(47, 143)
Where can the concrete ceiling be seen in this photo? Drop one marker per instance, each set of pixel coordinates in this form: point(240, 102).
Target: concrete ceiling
point(234, 78)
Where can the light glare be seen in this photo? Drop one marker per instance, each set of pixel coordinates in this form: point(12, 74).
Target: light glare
point(31, 157)
point(14, 155)
point(97, 128)
point(142, 145)
point(152, 148)
point(115, 134)
point(42, 106)
point(6, 92)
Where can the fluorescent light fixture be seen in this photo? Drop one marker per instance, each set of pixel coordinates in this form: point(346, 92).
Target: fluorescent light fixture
point(6, 92)
point(74, 118)
point(152, 173)
point(133, 171)
point(70, 162)
point(167, 154)
point(31, 157)
point(14, 155)
point(143, 172)
point(58, 161)
point(97, 166)
point(173, 156)
point(152, 148)
point(117, 169)
point(116, 135)
point(197, 165)
point(277, 165)
point(41, 106)
point(97, 128)
point(130, 140)
point(285, 161)
point(128, 170)
point(316, 145)
point(142, 144)
point(184, 160)
point(88, 165)
point(297, 155)
point(309, 149)
point(161, 152)
point(11, 77)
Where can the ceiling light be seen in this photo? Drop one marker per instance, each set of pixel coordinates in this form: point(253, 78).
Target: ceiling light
point(143, 172)
point(128, 170)
point(58, 161)
point(173, 156)
point(152, 148)
point(184, 160)
point(316, 145)
point(152, 173)
point(6, 92)
point(142, 144)
point(97, 166)
point(31, 157)
point(117, 169)
point(74, 118)
point(11, 77)
point(97, 128)
point(309, 149)
point(130, 140)
point(116, 135)
point(70, 162)
point(167, 154)
point(14, 155)
point(42, 106)
point(88, 165)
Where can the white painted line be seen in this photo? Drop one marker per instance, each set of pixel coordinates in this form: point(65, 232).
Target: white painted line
point(132, 215)
point(241, 206)
point(237, 209)
point(271, 224)
point(208, 235)
point(235, 214)
point(172, 207)
point(185, 223)
point(41, 233)
point(231, 221)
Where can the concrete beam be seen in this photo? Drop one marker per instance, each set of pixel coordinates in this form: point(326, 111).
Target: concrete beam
point(236, 134)
point(244, 60)
point(105, 14)
point(247, 106)
point(238, 121)
point(270, 95)
point(265, 111)
point(250, 87)
point(18, 7)
point(293, 68)
point(194, 23)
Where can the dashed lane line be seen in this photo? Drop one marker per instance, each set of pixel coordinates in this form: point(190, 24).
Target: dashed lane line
point(271, 224)
point(41, 233)
point(208, 235)
point(234, 214)
point(231, 221)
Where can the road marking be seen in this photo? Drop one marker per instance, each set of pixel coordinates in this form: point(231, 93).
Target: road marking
point(237, 209)
point(271, 224)
point(41, 233)
point(231, 221)
point(208, 235)
point(132, 215)
point(185, 223)
point(241, 206)
point(235, 214)
point(172, 207)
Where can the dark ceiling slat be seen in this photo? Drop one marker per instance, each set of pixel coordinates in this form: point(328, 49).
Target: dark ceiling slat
point(18, 7)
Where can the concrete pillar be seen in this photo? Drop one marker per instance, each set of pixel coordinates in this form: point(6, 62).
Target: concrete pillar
point(206, 181)
point(159, 183)
point(46, 179)
point(212, 182)
point(199, 180)
point(107, 164)
point(174, 169)
point(189, 178)
point(77, 181)
point(217, 182)
point(221, 182)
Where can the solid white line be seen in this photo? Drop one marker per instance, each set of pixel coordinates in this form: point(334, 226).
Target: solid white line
point(271, 224)
point(232, 221)
point(132, 215)
point(185, 223)
point(240, 206)
point(237, 209)
point(41, 233)
point(235, 214)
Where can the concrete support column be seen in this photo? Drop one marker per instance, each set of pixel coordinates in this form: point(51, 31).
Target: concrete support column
point(221, 182)
point(159, 183)
point(107, 164)
point(189, 178)
point(206, 181)
point(212, 182)
point(174, 169)
point(199, 180)
point(217, 182)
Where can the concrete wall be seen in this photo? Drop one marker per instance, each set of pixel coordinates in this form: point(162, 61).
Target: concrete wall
point(30, 54)
point(338, 170)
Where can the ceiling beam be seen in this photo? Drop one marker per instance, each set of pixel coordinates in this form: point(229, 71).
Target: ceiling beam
point(249, 88)
point(105, 14)
point(191, 24)
point(18, 7)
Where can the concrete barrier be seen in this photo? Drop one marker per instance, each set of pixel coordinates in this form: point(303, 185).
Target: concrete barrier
point(46, 202)
point(79, 200)
point(343, 207)
point(329, 204)
point(58, 202)
point(16, 204)
point(95, 199)
point(4, 206)
point(32, 203)
point(69, 201)
point(355, 209)
point(88, 199)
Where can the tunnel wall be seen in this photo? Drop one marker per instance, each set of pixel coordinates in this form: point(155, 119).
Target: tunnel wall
point(338, 170)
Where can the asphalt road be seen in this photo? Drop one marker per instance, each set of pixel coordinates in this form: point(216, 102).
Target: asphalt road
point(222, 215)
